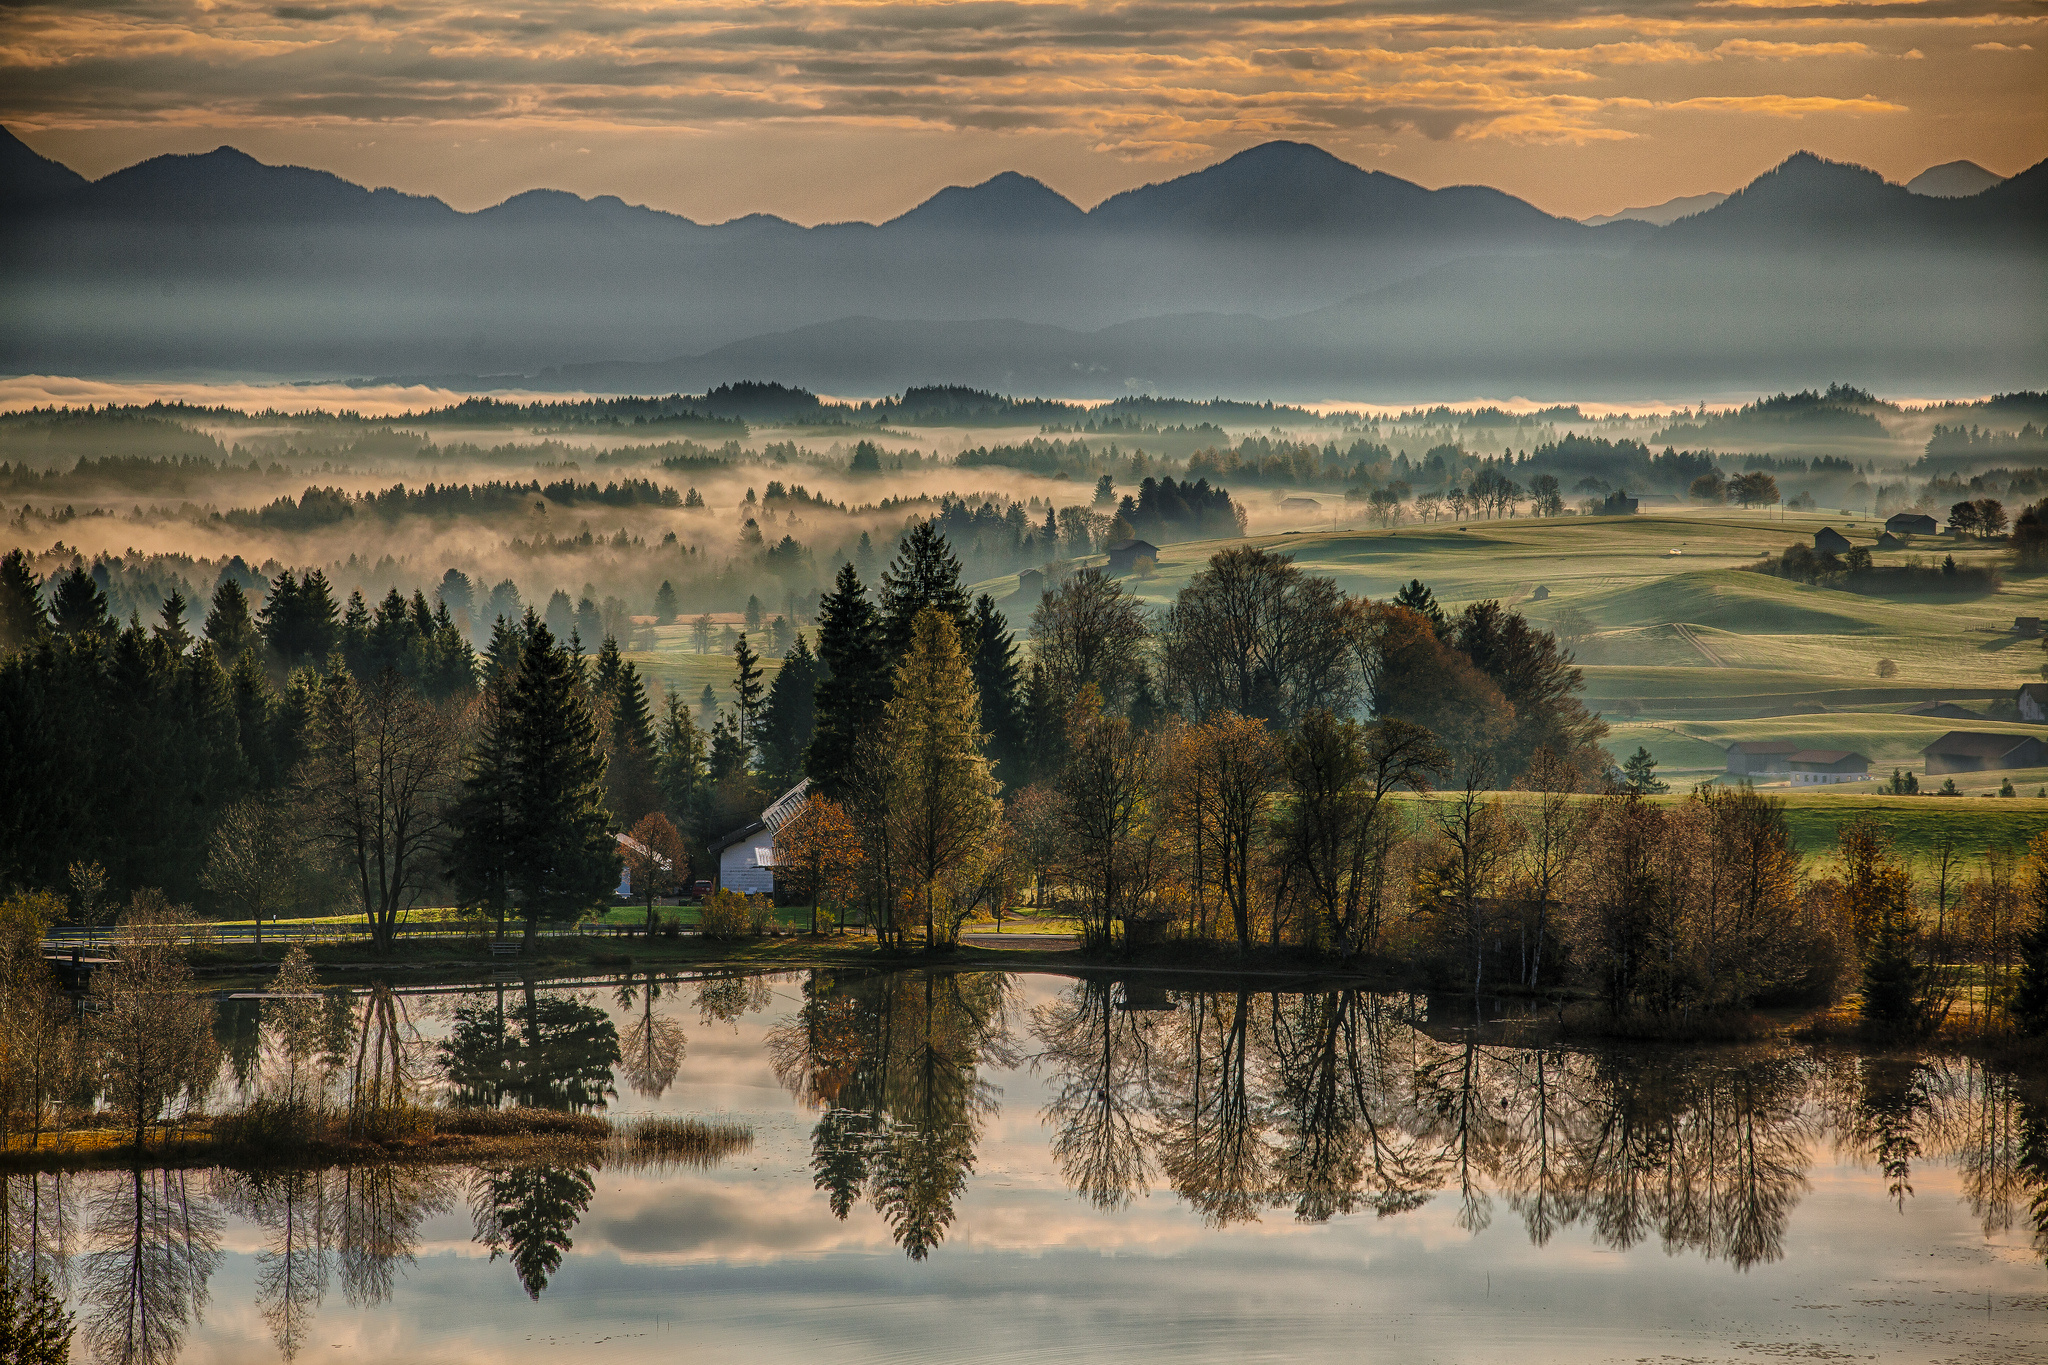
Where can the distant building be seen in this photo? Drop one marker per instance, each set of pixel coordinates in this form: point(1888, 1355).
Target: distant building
point(1301, 505)
point(1540, 593)
point(1829, 541)
point(746, 857)
point(1887, 541)
point(1911, 524)
point(1031, 585)
point(1971, 751)
point(1945, 710)
point(2026, 627)
point(1125, 554)
point(2033, 702)
point(1619, 504)
point(1752, 757)
point(1811, 767)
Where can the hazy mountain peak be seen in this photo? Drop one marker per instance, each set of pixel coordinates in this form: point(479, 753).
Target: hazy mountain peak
point(1661, 215)
point(1009, 202)
point(1954, 180)
point(29, 177)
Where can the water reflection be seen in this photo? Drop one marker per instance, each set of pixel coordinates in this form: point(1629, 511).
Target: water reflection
point(1242, 1104)
point(894, 1062)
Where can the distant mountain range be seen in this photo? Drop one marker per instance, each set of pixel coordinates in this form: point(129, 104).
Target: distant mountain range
point(1660, 215)
point(1282, 268)
point(1953, 180)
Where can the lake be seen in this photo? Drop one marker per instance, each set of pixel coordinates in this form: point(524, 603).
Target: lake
point(976, 1166)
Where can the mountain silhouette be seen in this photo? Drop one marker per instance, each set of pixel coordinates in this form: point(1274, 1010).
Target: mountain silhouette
point(1953, 180)
point(1282, 265)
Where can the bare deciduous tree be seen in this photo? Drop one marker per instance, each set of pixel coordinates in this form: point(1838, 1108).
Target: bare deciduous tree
point(1255, 635)
point(1090, 632)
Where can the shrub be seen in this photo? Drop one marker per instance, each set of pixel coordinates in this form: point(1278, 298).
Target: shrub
point(725, 915)
point(760, 914)
point(1886, 668)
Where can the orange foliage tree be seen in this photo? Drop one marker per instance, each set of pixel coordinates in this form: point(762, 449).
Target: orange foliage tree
point(818, 855)
point(655, 859)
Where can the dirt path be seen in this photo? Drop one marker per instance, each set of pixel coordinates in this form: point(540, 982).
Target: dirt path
point(1685, 633)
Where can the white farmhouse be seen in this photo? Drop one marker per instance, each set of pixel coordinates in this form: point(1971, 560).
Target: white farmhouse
point(746, 857)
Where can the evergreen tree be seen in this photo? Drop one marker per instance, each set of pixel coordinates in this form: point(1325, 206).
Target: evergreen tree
point(728, 756)
point(1892, 974)
point(22, 618)
point(1043, 726)
point(171, 631)
point(501, 656)
point(753, 614)
point(790, 717)
point(853, 680)
point(1639, 774)
point(621, 698)
point(561, 615)
point(504, 604)
point(747, 691)
point(77, 604)
point(589, 621)
point(679, 766)
point(665, 603)
point(2030, 1001)
point(299, 619)
point(925, 573)
point(483, 852)
point(1417, 597)
point(566, 860)
point(707, 707)
point(994, 664)
point(355, 632)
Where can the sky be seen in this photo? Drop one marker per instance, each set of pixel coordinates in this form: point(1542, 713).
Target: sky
point(827, 110)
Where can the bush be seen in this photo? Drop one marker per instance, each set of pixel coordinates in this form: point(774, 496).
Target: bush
point(760, 914)
point(726, 915)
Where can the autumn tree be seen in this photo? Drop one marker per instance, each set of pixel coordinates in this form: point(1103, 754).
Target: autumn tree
point(1103, 789)
point(818, 855)
point(1226, 769)
point(1254, 635)
point(1091, 632)
point(150, 1030)
point(655, 860)
point(943, 803)
point(252, 860)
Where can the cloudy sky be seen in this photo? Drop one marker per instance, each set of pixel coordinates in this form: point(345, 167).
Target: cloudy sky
point(833, 109)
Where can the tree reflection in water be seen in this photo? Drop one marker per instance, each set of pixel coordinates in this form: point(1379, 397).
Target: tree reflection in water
point(549, 1050)
point(526, 1213)
point(155, 1242)
point(893, 1060)
point(654, 1047)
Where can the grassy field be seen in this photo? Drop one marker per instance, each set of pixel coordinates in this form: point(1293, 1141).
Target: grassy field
point(675, 665)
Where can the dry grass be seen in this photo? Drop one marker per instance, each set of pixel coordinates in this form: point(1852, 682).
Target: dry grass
point(658, 1140)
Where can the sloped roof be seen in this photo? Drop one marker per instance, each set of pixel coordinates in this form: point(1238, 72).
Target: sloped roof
point(1123, 545)
point(2038, 691)
point(1978, 743)
point(784, 808)
point(1827, 756)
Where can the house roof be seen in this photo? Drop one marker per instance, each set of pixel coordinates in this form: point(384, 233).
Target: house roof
point(1978, 743)
point(1827, 756)
point(1126, 546)
point(783, 808)
point(2038, 691)
point(726, 841)
point(1763, 747)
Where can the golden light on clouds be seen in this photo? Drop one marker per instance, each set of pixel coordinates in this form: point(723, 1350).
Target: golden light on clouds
point(703, 107)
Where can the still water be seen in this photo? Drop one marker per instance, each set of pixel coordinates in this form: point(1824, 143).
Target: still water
point(986, 1167)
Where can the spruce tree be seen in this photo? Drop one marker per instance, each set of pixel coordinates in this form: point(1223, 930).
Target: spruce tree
point(790, 717)
point(1892, 973)
point(925, 573)
point(567, 860)
point(747, 691)
point(170, 625)
point(22, 618)
point(482, 854)
point(229, 629)
point(679, 768)
point(77, 604)
point(1417, 597)
point(665, 603)
point(853, 680)
point(2030, 1001)
point(994, 664)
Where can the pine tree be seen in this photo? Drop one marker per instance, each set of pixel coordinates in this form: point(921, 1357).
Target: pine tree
point(1892, 972)
point(665, 603)
point(942, 798)
point(853, 680)
point(1418, 598)
point(753, 614)
point(22, 618)
point(790, 717)
point(925, 573)
point(995, 676)
point(482, 854)
point(170, 625)
point(1640, 774)
point(561, 615)
point(630, 790)
point(707, 707)
point(1043, 726)
point(566, 859)
point(747, 691)
point(679, 768)
point(78, 605)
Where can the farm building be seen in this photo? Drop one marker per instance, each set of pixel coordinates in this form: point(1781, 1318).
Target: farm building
point(1972, 751)
point(1540, 594)
point(1911, 524)
point(1031, 585)
point(1619, 504)
point(1887, 541)
point(1829, 541)
point(1750, 757)
point(2033, 702)
point(1298, 504)
point(1944, 710)
point(1125, 554)
point(746, 857)
point(1814, 767)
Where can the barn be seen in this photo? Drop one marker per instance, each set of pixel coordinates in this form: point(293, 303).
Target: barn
point(1973, 751)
